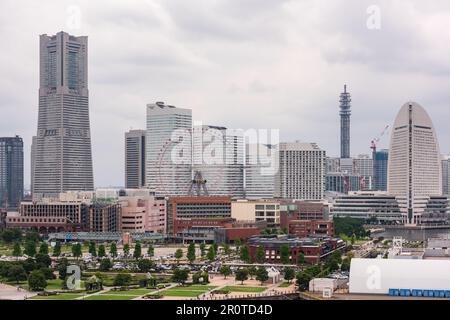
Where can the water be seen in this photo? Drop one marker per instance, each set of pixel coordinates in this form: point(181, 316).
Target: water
point(414, 235)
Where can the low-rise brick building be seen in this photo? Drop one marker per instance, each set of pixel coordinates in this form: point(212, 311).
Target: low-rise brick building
point(314, 249)
point(307, 228)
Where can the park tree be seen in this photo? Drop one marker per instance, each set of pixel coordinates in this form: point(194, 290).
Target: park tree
point(178, 255)
point(180, 275)
point(241, 275)
point(145, 265)
point(32, 236)
point(113, 250)
point(301, 258)
point(37, 281)
point(29, 265)
point(238, 244)
point(30, 248)
point(337, 255)
point(11, 235)
point(122, 279)
point(191, 252)
point(43, 260)
point(151, 251)
point(105, 265)
point(211, 253)
point(202, 249)
point(43, 249)
point(225, 271)
point(17, 273)
point(245, 254)
point(76, 250)
point(289, 274)
point(48, 273)
point(101, 251)
point(57, 249)
point(345, 266)
point(62, 268)
point(260, 254)
point(17, 251)
point(262, 275)
point(303, 279)
point(284, 254)
point(126, 249)
point(93, 248)
point(200, 277)
point(226, 249)
point(216, 247)
point(252, 271)
point(137, 253)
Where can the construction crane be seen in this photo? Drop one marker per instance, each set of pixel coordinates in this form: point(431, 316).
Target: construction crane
point(374, 142)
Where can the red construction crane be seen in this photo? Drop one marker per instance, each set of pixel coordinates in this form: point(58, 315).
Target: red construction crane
point(374, 142)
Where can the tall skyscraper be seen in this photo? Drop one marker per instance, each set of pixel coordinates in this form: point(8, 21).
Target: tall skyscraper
point(301, 172)
point(11, 172)
point(218, 154)
point(446, 175)
point(363, 167)
point(63, 159)
point(33, 161)
point(261, 168)
point(168, 149)
point(135, 159)
point(414, 171)
point(380, 170)
point(345, 112)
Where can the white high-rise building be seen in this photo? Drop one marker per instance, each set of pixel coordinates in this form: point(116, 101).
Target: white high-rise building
point(218, 154)
point(446, 175)
point(261, 168)
point(414, 170)
point(168, 149)
point(363, 167)
point(301, 172)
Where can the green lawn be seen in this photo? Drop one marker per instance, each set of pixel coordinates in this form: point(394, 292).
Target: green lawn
point(66, 296)
point(244, 289)
point(285, 285)
point(133, 292)
point(110, 297)
point(181, 293)
point(195, 288)
point(186, 291)
point(6, 250)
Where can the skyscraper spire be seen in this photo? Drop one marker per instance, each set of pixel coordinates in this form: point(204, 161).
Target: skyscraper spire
point(345, 100)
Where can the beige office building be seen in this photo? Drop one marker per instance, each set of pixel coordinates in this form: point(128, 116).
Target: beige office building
point(256, 211)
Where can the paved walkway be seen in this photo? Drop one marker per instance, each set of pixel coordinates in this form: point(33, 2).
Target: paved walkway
point(8, 292)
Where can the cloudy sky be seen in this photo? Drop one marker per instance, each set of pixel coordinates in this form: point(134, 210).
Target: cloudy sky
point(237, 63)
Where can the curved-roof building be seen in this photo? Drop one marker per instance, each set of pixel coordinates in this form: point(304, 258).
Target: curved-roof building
point(414, 170)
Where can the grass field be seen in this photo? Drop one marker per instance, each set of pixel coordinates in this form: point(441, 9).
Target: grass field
point(285, 285)
point(133, 292)
point(66, 296)
point(244, 289)
point(186, 291)
point(110, 297)
point(6, 249)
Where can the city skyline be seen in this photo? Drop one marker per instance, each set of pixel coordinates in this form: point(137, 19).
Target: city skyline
point(306, 102)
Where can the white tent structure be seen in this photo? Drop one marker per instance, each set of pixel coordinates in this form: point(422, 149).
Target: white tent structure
point(377, 276)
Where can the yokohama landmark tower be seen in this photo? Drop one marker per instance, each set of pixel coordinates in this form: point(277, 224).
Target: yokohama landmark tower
point(63, 159)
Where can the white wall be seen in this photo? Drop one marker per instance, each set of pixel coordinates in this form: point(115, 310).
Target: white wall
point(377, 276)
